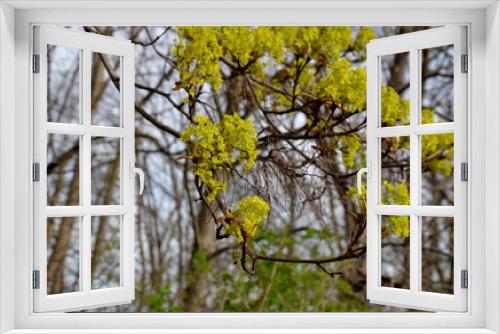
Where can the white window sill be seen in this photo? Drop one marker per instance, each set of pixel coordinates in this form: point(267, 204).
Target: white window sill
point(254, 331)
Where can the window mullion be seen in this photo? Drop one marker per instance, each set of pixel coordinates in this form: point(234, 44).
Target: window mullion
point(414, 171)
point(86, 238)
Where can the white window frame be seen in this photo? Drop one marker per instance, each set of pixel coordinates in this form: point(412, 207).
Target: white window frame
point(86, 44)
point(16, 20)
point(412, 44)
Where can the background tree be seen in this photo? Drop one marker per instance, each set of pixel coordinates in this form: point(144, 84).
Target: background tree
point(250, 139)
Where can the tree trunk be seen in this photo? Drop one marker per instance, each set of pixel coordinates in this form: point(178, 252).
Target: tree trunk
point(203, 245)
point(55, 265)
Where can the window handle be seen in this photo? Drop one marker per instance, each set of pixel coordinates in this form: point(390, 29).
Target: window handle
point(359, 176)
point(135, 170)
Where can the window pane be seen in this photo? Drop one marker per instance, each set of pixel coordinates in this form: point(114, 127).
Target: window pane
point(105, 91)
point(395, 89)
point(105, 252)
point(437, 169)
point(395, 246)
point(63, 255)
point(395, 170)
point(63, 170)
point(437, 254)
point(105, 171)
point(63, 84)
point(437, 84)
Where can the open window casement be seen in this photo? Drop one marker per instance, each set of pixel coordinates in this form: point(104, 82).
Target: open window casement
point(400, 146)
point(87, 131)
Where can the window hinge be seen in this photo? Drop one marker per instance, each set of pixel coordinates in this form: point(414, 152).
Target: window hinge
point(465, 63)
point(464, 279)
point(36, 172)
point(36, 279)
point(36, 63)
point(464, 171)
